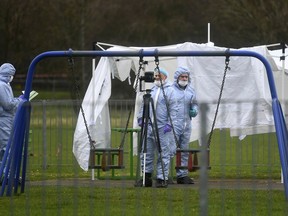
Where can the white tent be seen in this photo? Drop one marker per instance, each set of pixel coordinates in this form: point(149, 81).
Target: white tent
point(245, 82)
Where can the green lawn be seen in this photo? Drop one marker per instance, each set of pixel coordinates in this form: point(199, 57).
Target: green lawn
point(141, 201)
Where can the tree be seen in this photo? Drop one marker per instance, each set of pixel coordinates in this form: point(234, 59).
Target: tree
point(30, 27)
point(245, 23)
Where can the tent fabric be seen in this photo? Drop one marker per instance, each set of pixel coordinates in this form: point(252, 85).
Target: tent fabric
point(245, 82)
point(276, 55)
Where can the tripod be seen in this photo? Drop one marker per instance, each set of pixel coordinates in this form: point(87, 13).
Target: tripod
point(146, 122)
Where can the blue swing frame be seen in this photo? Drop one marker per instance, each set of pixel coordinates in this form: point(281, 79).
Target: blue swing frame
point(18, 142)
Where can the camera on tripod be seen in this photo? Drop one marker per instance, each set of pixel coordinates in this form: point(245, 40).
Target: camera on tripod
point(147, 81)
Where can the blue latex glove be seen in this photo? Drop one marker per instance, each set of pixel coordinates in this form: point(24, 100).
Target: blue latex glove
point(193, 113)
point(140, 122)
point(21, 96)
point(167, 128)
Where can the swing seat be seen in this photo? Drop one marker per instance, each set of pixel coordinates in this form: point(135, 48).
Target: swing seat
point(193, 163)
point(106, 158)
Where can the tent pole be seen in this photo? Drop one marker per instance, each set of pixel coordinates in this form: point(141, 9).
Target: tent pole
point(271, 45)
point(208, 32)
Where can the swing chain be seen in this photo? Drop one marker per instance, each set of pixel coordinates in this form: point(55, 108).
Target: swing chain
point(166, 102)
point(139, 70)
point(141, 62)
point(227, 61)
point(77, 89)
point(157, 59)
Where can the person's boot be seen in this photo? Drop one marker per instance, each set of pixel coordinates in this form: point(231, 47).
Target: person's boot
point(185, 180)
point(148, 181)
point(160, 183)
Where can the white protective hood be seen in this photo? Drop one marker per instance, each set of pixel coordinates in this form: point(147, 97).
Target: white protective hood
point(246, 81)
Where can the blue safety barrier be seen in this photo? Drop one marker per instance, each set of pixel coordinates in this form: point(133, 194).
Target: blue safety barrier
point(20, 133)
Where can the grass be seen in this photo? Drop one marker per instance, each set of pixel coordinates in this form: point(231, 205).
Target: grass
point(85, 200)
point(233, 161)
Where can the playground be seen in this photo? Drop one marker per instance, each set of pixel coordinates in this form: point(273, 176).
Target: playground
point(250, 164)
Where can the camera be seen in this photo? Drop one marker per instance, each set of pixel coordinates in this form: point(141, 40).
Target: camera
point(148, 80)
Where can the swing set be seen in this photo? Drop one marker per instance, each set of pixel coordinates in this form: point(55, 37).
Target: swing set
point(112, 158)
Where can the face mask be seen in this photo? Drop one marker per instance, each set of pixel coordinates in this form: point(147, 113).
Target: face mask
point(183, 83)
point(158, 82)
point(11, 78)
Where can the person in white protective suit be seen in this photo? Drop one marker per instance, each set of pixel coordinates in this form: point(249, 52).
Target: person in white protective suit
point(164, 129)
point(187, 109)
point(8, 105)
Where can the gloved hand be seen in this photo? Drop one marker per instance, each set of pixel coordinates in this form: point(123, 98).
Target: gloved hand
point(193, 113)
point(21, 96)
point(167, 128)
point(140, 122)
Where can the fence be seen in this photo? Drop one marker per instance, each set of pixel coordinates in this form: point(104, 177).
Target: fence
point(249, 166)
point(53, 124)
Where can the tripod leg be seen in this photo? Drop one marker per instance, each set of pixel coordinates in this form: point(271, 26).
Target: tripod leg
point(140, 150)
point(138, 160)
point(146, 118)
point(158, 144)
point(144, 168)
point(143, 142)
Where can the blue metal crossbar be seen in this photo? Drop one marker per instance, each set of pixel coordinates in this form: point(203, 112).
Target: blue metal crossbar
point(23, 117)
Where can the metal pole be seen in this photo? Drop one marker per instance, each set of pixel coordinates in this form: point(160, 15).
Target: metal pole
point(44, 133)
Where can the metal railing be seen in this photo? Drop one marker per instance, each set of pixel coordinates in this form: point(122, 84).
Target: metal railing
point(51, 141)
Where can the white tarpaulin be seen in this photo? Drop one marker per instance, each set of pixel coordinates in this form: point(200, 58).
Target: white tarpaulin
point(245, 82)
